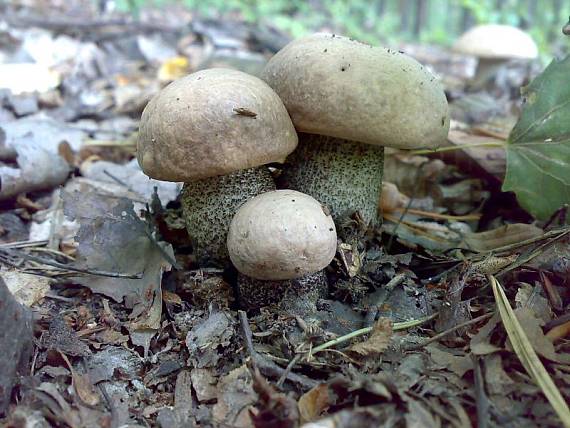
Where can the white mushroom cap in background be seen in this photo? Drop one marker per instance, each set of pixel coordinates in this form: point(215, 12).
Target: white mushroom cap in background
point(495, 41)
point(281, 235)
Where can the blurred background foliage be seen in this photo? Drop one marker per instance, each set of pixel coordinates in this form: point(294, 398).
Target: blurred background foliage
point(387, 21)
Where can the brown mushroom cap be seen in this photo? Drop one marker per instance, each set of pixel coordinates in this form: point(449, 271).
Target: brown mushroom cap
point(494, 41)
point(335, 86)
point(211, 123)
point(281, 235)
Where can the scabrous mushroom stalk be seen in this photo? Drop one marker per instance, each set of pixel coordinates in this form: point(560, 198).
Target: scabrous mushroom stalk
point(345, 176)
point(293, 295)
point(209, 205)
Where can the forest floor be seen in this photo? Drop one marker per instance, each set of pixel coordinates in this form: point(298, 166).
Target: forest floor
point(453, 313)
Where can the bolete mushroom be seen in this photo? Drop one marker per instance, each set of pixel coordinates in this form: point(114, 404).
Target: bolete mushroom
point(494, 45)
point(214, 130)
point(348, 100)
point(280, 242)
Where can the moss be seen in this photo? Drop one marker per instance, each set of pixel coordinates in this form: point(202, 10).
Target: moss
point(210, 204)
point(345, 176)
point(294, 295)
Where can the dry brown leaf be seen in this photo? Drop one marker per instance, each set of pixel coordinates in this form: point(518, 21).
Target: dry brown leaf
point(378, 341)
point(559, 332)
point(83, 386)
point(170, 297)
point(502, 236)
point(314, 402)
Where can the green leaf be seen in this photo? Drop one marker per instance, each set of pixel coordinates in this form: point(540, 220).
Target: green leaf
point(538, 148)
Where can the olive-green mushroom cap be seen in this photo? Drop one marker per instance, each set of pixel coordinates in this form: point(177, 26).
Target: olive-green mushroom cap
point(281, 235)
point(210, 123)
point(335, 86)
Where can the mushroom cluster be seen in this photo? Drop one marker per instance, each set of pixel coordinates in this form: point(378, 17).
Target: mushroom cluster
point(217, 129)
point(214, 130)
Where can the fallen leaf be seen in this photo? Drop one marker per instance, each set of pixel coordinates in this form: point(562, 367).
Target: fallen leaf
point(559, 332)
point(27, 289)
point(501, 236)
point(481, 343)
point(114, 239)
point(532, 327)
point(235, 398)
point(378, 341)
point(314, 402)
point(84, 389)
point(131, 178)
point(458, 364)
point(204, 384)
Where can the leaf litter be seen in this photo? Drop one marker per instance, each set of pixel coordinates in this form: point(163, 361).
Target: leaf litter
point(130, 331)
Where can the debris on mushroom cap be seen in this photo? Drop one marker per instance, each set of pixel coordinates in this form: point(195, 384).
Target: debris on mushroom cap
point(211, 123)
point(335, 86)
point(281, 235)
point(497, 42)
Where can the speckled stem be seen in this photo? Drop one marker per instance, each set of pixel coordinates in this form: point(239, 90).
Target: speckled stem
point(210, 204)
point(345, 176)
point(293, 295)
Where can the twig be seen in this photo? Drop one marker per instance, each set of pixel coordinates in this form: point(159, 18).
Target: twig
point(397, 326)
point(287, 370)
point(525, 258)
point(451, 330)
point(71, 268)
point(24, 244)
point(557, 233)
point(269, 368)
point(68, 25)
point(456, 148)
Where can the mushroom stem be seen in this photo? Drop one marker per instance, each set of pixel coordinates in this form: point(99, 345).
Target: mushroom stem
point(293, 295)
point(486, 69)
point(209, 205)
point(345, 176)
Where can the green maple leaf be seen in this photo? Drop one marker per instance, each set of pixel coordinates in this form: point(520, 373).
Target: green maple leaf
point(538, 148)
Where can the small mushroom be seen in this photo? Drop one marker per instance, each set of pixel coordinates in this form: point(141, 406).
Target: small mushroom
point(348, 100)
point(214, 130)
point(280, 242)
point(494, 45)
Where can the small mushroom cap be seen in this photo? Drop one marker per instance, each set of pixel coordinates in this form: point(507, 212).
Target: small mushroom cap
point(335, 86)
point(281, 235)
point(213, 122)
point(496, 42)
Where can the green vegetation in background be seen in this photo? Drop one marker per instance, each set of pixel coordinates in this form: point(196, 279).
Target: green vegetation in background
point(387, 21)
